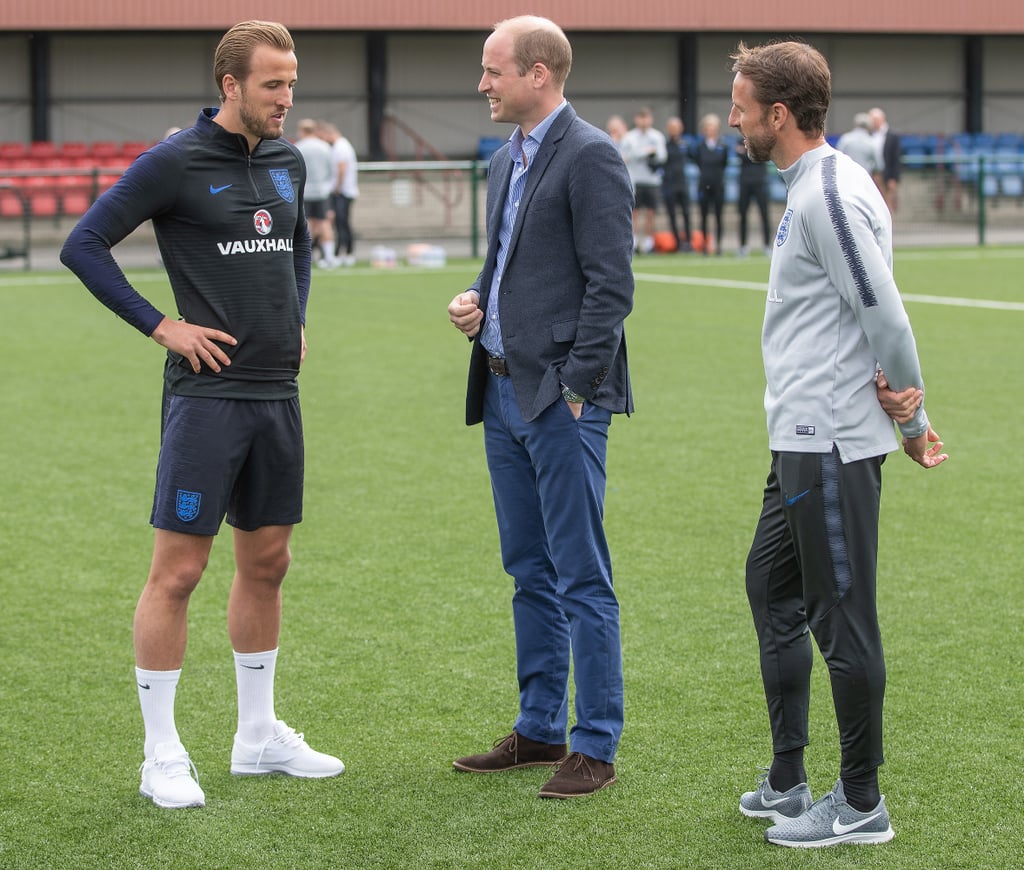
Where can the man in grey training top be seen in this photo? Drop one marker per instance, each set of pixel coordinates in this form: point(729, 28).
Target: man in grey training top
point(833, 318)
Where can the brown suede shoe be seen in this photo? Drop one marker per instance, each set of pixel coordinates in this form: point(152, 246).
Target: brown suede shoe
point(512, 752)
point(578, 776)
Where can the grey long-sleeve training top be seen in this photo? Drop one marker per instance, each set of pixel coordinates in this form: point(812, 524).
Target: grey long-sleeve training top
point(834, 315)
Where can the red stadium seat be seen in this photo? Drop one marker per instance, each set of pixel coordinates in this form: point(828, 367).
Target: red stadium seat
point(43, 150)
point(78, 161)
point(102, 151)
point(10, 150)
point(75, 194)
point(41, 191)
point(70, 151)
point(111, 173)
point(131, 150)
point(17, 163)
point(42, 160)
point(11, 205)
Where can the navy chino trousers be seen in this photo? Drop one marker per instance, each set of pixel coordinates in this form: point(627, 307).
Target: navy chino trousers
point(548, 480)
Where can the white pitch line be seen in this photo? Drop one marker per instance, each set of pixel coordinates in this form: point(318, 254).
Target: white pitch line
point(955, 301)
point(21, 279)
point(964, 303)
point(695, 281)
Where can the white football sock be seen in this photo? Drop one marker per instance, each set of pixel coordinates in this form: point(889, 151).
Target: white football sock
point(328, 251)
point(255, 677)
point(156, 697)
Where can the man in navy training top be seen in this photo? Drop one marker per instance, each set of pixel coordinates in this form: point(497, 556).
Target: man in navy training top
point(225, 199)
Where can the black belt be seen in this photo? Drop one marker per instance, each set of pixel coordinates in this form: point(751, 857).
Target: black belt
point(498, 366)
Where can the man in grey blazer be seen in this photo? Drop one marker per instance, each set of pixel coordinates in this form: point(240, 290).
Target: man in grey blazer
point(547, 371)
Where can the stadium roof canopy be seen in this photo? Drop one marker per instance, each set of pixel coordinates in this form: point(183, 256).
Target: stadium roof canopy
point(743, 16)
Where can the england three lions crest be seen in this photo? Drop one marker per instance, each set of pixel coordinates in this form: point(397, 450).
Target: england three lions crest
point(783, 233)
point(187, 505)
point(283, 184)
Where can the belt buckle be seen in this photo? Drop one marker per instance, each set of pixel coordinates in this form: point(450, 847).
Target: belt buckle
point(498, 366)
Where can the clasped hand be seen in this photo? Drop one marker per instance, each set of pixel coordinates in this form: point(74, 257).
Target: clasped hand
point(465, 313)
point(924, 449)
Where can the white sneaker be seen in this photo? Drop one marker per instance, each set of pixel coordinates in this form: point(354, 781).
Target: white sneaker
point(348, 260)
point(167, 778)
point(283, 752)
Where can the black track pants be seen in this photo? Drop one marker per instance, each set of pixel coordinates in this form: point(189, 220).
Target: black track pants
point(812, 566)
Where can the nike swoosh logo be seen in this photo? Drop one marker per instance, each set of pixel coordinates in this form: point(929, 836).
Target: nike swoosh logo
point(767, 804)
point(216, 190)
point(144, 686)
point(796, 498)
point(254, 667)
point(839, 828)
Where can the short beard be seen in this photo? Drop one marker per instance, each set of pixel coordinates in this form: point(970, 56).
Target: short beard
point(253, 125)
point(759, 149)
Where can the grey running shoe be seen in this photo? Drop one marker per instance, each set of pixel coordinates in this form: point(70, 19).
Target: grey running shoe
point(831, 821)
point(766, 803)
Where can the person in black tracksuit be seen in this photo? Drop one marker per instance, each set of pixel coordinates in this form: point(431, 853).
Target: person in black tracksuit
point(753, 190)
point(675, 188)
point(225, 200)
point(711, 157)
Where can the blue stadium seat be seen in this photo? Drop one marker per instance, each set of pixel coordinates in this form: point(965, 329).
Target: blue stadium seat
point(487, 146)
point(1012, 186)
point(983, 143)
point(1009, 141)
point(917, 148)
point(959, 143)
point(914, 145)
point(933, 143)
point(1007, 161)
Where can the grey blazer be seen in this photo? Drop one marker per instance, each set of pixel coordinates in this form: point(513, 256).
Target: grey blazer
point(568, 282)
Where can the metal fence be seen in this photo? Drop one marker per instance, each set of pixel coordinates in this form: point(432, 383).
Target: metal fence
point(982, 192)
point(954, 199)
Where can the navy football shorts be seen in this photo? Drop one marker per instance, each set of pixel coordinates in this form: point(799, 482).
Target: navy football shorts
point(238, 458)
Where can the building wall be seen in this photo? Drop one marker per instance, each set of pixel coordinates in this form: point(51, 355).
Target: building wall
point(134, 86)
point(866, 16)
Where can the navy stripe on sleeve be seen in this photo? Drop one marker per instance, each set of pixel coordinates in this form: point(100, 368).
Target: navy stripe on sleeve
point(847, 244)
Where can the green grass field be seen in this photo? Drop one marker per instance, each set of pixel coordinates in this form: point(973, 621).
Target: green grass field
point(397, 649)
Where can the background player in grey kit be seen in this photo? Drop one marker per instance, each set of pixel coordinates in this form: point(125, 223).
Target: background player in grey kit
point(225, 199)
point(833, 316)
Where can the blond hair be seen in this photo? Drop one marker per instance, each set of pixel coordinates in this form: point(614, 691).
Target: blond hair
point(233, 56)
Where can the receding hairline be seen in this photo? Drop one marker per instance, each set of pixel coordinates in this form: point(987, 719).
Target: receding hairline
point(535, 39)
point(529, 23)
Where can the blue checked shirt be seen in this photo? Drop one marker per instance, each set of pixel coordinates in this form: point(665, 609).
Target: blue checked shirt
point(522, 150)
